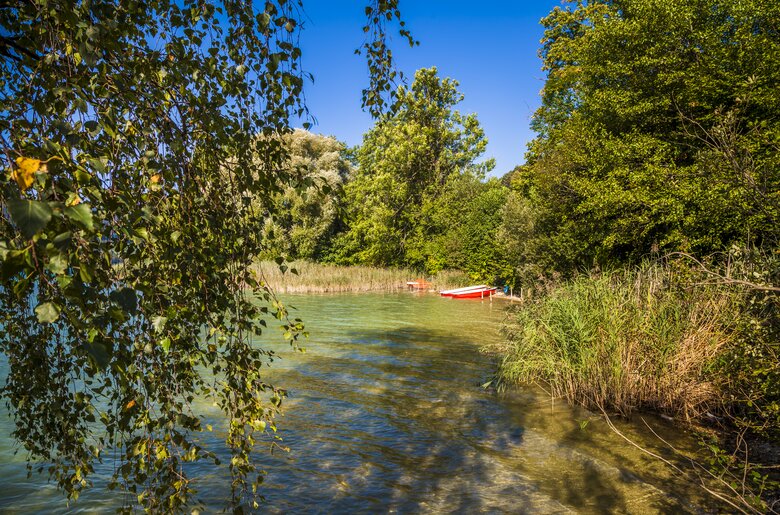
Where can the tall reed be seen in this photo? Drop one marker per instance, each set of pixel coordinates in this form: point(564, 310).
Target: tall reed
point(323, 278)
point(623, 341)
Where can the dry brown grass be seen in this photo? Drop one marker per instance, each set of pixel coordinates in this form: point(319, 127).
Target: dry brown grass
point(321, 278)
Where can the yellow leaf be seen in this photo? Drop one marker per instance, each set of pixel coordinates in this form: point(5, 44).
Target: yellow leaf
point(73, 200)
point(24, 175)
point(155, 178)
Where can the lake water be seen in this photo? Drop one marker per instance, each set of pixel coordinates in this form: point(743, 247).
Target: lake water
point(386, 414)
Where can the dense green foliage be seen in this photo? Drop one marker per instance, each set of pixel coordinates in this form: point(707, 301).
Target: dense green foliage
point(136, 138)
point(417, 176)
point(412, 195)
point(658, 131)
point(305, 216)
point(472, 214)
point(751, 368)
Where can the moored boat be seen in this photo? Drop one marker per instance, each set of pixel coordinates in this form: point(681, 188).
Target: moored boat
point(467, 289)
point(475, 294)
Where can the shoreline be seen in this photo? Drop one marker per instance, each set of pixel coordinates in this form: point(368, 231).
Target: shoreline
point(310, 277)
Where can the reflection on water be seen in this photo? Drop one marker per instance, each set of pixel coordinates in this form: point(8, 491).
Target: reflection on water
point(386, 415)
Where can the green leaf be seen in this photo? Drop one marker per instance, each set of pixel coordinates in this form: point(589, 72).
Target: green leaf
point(82, 176)
point(158, 323)
point(125, 298)
point(263, 21)
point(57, 264)
point(117, 314)
point(80, 214)
point(21, 287)
point(98, 165)
point(64, 281)
point(84, 274)
point(62, 241)
point(47, 312)
point(99, 352)
point(30, 215)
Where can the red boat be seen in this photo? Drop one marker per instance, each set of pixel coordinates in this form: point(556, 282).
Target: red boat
point(476, 294)
point(470, 292)
point(450, 293)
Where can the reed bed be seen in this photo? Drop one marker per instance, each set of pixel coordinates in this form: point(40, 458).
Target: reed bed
point(324, 278)
point(623, 341)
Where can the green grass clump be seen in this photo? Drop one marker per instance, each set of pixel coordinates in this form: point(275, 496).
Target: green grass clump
point(623, 341)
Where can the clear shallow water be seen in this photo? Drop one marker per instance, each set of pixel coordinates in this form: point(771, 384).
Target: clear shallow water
point(386, 414)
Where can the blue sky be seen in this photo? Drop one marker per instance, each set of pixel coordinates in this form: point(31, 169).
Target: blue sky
point(490, 47)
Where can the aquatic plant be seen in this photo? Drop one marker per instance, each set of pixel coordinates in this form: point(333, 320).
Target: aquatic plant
point(310, 277)
point(623, 341)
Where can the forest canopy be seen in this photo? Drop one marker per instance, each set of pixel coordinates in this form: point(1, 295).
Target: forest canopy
point(658, 132)
point(414, 172)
